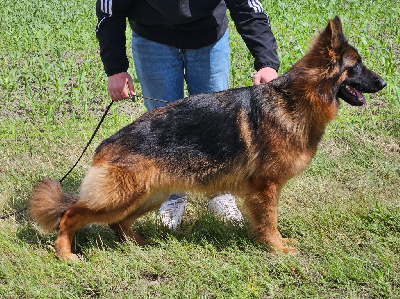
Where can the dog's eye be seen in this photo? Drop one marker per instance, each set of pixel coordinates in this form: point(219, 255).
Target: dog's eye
point(356, 68)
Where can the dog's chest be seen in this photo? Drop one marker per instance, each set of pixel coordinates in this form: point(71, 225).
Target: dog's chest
point(300, 162)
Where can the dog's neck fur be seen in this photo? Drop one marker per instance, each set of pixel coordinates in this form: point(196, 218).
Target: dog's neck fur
point(308, 115)
point(312, 78)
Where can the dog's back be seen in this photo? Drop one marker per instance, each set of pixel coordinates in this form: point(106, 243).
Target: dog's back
point(199, 139)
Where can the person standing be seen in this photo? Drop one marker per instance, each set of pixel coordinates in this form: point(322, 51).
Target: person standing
point(176, 42)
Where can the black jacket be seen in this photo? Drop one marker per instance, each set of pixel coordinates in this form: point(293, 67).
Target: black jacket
point(183, 24)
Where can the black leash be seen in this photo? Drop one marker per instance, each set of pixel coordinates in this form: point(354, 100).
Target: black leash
point(89, 142)
point(131, 97)
point(13, 213)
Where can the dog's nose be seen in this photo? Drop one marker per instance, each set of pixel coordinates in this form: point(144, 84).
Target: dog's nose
point(382, 83)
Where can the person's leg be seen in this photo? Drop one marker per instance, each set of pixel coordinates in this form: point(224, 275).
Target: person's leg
point(159, 69)
point(207, 69)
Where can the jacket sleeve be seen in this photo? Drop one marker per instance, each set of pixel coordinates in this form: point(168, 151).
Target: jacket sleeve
point(110, 32)
point(253, 25)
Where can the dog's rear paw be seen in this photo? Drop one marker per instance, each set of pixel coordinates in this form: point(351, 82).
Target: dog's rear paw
point(140, 240)
point(130, 236)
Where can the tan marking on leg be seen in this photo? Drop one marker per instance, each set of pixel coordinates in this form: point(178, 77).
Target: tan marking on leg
point(263, 206)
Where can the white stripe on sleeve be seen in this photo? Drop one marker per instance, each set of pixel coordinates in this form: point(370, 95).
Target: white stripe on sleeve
point(106, 6)
point(255, 5)
point(110, 6)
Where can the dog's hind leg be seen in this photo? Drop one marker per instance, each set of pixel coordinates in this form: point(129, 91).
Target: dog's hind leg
point(73, 219)
point(123, 230)
point(263, 206)
point(105, 197)
point(78, 216)
point(108, 195)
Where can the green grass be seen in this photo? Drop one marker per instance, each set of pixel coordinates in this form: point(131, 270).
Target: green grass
point(343, 211)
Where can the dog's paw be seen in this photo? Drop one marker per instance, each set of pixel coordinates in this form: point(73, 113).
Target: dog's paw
point(287, 249)
point(284, 249)
point(69, 257)
point(140, 240)
point(281, 246)
point(289, 241)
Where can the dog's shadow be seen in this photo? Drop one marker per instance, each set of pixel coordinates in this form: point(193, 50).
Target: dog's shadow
point(200, 227)
point(199, 230)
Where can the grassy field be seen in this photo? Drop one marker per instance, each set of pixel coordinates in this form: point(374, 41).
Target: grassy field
point(344, 210)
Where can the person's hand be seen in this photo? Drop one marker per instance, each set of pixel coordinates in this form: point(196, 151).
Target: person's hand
point(265, 75)
point(117, 86)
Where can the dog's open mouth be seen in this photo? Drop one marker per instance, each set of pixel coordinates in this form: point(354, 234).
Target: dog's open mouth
point(351, 95)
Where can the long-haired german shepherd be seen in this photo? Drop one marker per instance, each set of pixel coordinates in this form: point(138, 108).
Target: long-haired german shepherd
point(249, 141)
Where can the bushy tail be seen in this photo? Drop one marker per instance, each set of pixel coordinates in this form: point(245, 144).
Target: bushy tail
point(48, 203)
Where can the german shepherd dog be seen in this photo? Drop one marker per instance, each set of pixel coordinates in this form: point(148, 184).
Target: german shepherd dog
point(249, 141)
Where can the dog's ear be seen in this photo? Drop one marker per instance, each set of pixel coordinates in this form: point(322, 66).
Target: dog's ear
point(334, 31)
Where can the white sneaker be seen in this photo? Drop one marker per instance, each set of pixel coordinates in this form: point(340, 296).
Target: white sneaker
point(172, 210)
point(225, 206)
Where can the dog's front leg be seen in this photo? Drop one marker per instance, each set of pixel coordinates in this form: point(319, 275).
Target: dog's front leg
point(263, 206)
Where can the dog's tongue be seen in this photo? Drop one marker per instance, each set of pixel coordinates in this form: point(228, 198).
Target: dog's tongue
point(359, 95)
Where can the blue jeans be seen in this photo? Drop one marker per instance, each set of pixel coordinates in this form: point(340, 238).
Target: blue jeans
point(162, 69)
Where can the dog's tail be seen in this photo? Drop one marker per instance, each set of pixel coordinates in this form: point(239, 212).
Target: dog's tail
point(48, 203)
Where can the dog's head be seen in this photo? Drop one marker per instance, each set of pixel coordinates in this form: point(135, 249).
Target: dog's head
point(335, 69)
point(354, 77)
